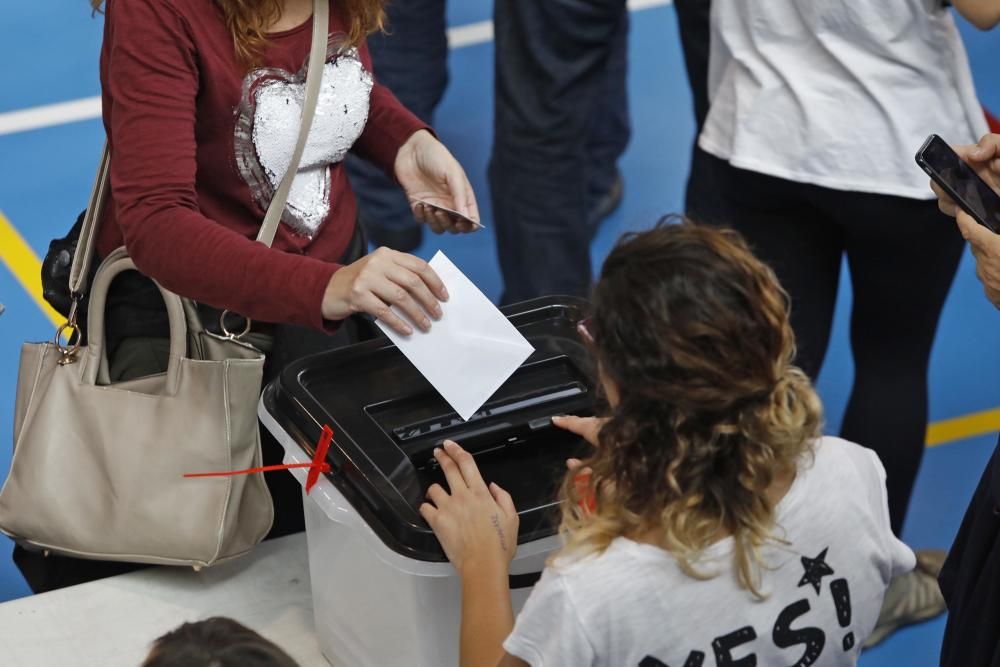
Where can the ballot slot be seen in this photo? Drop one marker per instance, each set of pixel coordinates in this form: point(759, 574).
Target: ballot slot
point(387, 419)
point(531, 473)
point(521, 411)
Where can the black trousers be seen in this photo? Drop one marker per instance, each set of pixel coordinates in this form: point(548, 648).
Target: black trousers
point(694, 25)
point(970, 579)
point(561, 123)
point(138, 311)
point(292, 344)
point(903, 255)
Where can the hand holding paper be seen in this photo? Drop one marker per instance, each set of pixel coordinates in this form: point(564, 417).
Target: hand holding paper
point(399, 289)
point(471, 350)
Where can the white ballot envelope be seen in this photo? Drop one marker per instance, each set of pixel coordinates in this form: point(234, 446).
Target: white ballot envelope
point(471, 350)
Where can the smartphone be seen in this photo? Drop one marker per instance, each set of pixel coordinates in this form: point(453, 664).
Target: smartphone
point(452, 213)
point(960, 182)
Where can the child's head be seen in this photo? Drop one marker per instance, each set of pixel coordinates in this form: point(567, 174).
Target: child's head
point(695, 350)
point(215, 642)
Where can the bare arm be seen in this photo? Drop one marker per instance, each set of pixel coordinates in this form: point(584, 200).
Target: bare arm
point(476, 524)
point(487, 617)
point(984, 14)
point(511, 661)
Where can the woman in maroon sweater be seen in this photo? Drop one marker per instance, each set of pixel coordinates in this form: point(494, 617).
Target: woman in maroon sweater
point(201, 107)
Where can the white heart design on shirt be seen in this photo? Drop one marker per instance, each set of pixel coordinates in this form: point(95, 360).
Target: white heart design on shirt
point(268, 124)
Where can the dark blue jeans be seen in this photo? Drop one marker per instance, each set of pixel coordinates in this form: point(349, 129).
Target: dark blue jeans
point(411, 59)
point(561, 123)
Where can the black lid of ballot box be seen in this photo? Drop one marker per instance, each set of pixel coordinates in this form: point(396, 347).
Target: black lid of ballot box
point(387, 419)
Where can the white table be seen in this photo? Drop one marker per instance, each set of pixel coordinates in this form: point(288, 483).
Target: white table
point(113, 621)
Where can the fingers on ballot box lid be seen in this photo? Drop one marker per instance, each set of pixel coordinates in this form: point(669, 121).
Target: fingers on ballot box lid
point(387, 419)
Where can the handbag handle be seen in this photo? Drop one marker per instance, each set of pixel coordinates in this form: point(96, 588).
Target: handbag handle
point(84, 254)
point(116, 263)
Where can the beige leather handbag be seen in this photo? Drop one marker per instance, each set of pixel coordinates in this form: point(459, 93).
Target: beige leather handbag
point(97, 470)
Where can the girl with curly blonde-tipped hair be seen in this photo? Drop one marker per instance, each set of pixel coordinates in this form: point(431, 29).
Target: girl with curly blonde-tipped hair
point(711, 524)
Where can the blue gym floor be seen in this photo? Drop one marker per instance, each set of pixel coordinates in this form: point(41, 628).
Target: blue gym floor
point(45, 176)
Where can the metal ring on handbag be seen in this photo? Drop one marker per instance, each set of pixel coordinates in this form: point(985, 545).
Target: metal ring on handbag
point(68, 352)
point(229, 334)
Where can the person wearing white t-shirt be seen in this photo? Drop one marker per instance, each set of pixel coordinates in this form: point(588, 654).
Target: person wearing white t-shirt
point(816, 111)
point(711, 525)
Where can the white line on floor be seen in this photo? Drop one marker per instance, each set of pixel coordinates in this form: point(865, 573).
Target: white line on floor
point(89, 108)
point(49, 115)
point(470, 34)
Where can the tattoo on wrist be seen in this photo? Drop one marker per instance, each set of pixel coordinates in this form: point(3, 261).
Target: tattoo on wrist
point(496, 525)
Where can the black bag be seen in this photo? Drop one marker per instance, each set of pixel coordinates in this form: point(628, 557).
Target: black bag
point(56, 266)
point(55, 275)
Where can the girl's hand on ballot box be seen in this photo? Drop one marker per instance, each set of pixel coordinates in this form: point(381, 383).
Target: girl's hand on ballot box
point(588, 428)
point(476, 523)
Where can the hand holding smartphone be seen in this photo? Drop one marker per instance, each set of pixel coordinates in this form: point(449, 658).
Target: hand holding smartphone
point(960, 182)
point(453, 214)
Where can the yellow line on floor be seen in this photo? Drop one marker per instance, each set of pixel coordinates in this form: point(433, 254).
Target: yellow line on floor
point(966, 426)
point(24, 264)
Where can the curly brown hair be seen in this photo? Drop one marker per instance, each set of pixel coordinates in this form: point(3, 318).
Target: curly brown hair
point(693, 331)
point(248, 20)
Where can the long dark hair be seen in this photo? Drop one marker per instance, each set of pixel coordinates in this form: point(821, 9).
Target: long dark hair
point(694, 332)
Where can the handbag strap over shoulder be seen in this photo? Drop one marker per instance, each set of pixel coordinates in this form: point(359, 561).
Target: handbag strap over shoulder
point(84, 254)
point(314, 77)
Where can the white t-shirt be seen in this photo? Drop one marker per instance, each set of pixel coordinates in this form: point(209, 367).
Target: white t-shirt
point(836, 93)
point(632, 606)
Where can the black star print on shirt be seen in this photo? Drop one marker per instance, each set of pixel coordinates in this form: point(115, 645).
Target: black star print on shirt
point(816, 569)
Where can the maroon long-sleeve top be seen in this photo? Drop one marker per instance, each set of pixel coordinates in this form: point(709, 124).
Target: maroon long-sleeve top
point(199, 141)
